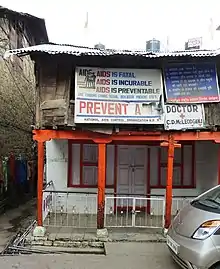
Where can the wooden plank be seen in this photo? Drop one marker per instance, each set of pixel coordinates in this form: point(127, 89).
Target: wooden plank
point(38, 114)
point(63, 77)
point(107, 130)
point(54, 112)
point(51, 121)
point(70, 119)
point(52, 104)
point(212, 112)
point(48, 80)
point(67, 95)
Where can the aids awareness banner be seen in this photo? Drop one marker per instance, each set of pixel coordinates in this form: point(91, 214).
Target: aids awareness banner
point(123, 96)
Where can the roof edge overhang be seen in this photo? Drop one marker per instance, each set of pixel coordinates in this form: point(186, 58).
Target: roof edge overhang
point(71, 50)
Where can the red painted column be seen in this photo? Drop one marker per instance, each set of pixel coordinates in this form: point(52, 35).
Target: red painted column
point(40, 180)
point(218, 164)
point(101, 185)
point(169, 186)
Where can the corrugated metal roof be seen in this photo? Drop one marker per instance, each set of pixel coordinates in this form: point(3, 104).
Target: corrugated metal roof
point(80, 51)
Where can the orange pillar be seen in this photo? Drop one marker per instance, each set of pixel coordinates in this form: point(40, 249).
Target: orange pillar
point(218, 164)
point(169, 186)
point(101, 185)
point(40, 180)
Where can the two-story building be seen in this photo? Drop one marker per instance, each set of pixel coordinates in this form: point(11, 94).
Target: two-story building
point(17, 104)
point(130, 136)
point(17, 30)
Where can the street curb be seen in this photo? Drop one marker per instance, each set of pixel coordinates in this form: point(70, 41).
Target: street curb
point(105, 249)
point(9, 242)
point(161, 241)
point(60, 250)
point(138, 241)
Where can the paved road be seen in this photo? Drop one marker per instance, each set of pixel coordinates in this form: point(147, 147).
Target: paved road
point(14, 219)
point(119, 256)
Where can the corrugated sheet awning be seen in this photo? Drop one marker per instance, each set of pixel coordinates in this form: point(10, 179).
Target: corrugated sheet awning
point(82, 51)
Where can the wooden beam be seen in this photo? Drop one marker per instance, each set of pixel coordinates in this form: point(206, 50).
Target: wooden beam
point(169, 185)
point(46, 135)
point(40, 180)
point(53, 104)
point(101, 185)
point(219, 164)
point(171, 144)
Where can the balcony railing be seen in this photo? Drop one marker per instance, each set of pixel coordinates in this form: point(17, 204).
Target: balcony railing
point(79, 209)
point(66, 209)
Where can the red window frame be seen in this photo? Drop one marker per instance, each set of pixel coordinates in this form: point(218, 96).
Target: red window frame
point(180, 164)
point(82, 164)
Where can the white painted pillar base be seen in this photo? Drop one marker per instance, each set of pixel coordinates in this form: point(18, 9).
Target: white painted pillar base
point(39, 231)
point(100, 233)
point(165, 231)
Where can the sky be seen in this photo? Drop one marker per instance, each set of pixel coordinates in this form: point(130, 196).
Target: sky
point(125, 24)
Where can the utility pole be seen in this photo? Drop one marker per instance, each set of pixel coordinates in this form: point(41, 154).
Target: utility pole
point(86, 30)
point(211, 33)
point(168, 44)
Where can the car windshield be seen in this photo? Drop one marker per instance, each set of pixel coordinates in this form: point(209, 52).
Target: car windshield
point(209, 200)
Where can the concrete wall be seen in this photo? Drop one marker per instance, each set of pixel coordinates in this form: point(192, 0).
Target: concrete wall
point(206, 170)
point(206, 165)
point(57, 169)
point(206, 173)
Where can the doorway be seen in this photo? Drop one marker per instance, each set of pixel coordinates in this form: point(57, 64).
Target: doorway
point(131, 174)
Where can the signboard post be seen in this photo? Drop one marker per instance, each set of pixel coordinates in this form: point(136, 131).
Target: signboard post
point(194, 43)
point(186, 116)
point(118, 96)
point(191, 83)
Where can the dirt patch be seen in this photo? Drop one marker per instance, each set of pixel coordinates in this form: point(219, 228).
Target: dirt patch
point(26, 217)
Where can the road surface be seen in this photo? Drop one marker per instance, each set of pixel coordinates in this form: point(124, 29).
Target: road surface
point(119, 256)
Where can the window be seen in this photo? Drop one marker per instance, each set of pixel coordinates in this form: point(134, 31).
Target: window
point(209, 201)
point(89, 164)
point(183, 167)
point(83, 165)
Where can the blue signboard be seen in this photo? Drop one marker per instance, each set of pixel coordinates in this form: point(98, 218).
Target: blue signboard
point(191, 83)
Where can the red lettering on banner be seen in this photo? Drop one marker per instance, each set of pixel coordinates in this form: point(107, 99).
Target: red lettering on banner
point(90, 107)
point(111, 109)
point(118, 108)
point(103, 81)
point(103, 89)
point(103, 108)
point(103, 74)
point(125, 108)
point(137, 109)
point(97, 108)
point(82, 105)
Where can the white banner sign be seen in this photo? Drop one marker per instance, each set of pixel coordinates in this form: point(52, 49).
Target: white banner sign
point(118, 96)
point(179, 117)
point(195, 42)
